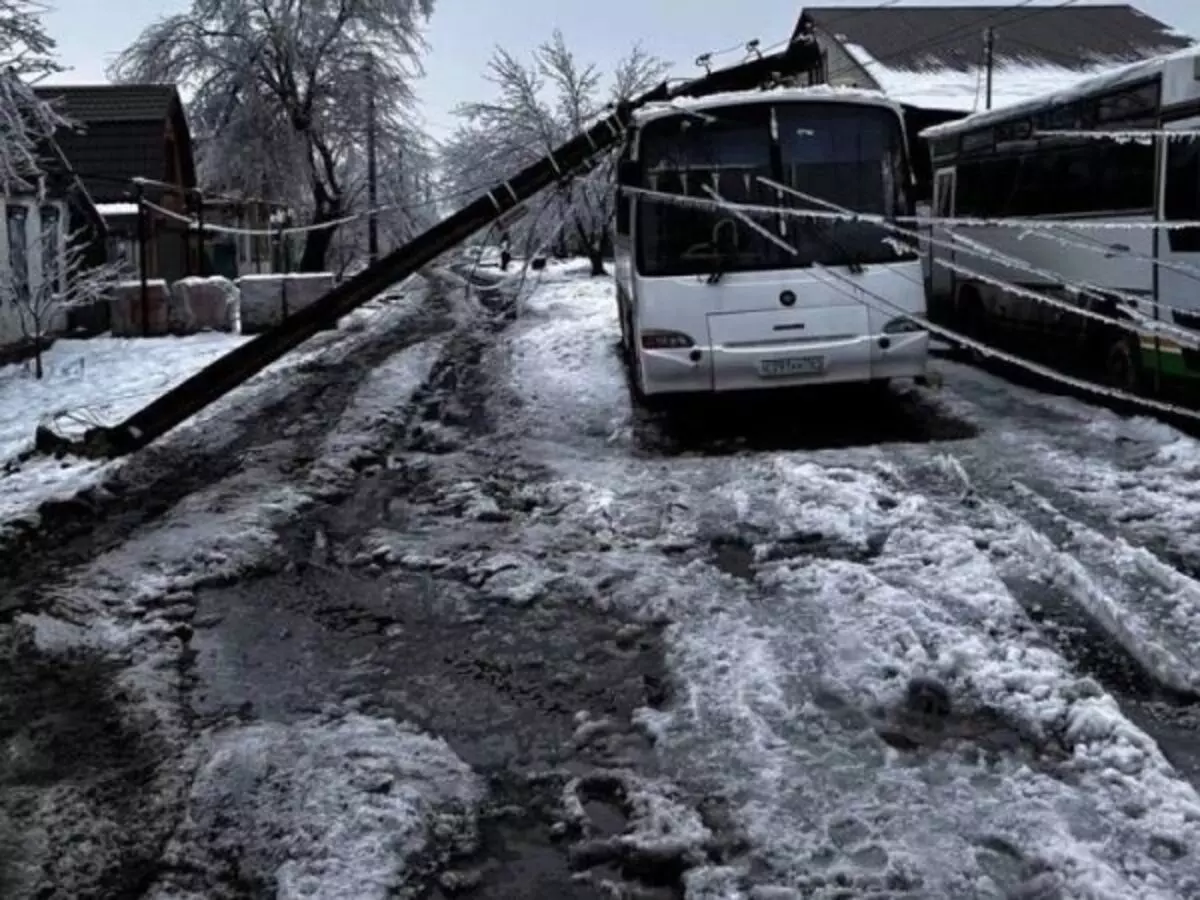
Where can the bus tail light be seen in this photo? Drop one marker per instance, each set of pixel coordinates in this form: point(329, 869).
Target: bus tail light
point(655, 339)
point(901, 326)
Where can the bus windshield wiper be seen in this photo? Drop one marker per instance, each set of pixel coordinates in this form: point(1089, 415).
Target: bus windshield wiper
point(724, 248)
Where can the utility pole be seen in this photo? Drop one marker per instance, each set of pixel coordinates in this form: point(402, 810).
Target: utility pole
point(989, 55)
point(372, 173)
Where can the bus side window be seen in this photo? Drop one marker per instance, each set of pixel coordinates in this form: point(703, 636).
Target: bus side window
point(1182, 201)
point(945, 209)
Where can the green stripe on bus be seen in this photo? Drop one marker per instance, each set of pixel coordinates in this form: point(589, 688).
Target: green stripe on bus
point(1168, 363)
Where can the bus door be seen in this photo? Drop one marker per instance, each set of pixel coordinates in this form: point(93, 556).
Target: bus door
point(938, 278)
point(1179, 248)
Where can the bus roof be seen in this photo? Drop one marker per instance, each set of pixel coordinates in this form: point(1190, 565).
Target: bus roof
point(1115, 78)
point(818, 93)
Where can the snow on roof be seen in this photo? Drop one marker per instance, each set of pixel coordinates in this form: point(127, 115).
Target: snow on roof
point(1060, 93)
point(964, 91)
point(816, 93)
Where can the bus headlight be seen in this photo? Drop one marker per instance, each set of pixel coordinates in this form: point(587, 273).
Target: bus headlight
point(901, 326)
point(656, 339)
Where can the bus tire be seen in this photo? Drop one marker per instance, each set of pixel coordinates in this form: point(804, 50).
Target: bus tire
point(625, 315)
point(651, 403)
point(1122, 365)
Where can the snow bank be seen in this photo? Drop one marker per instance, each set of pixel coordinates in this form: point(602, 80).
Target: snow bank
point(352, 809)
point(103, 380)
point(203, 304)
point(138, 314)
point(564, 356)
point(266, 300)
point(86, 382)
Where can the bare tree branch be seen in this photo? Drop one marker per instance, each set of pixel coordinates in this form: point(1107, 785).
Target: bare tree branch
point(26, 122)
point(537, 106)
point(64, 282)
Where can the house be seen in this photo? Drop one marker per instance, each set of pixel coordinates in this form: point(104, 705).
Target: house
point(936, 59)
point(39, 219)
point(123, 133)
point(133, 141)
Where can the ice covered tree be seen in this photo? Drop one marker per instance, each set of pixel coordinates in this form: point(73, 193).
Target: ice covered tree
point(63, 281)
point(537, 105)
point(26, 53)
point(27, 161)
point(279, 94)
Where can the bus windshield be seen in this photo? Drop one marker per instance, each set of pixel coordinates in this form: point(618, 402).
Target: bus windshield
point(847, 154)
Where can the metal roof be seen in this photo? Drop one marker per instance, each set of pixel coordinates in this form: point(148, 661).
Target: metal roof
point(930, 39)
point(111, 102)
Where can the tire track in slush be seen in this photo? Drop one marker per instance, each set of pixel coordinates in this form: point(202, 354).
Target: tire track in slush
point(72, 532)
point(1079, 611)
point(537, 696)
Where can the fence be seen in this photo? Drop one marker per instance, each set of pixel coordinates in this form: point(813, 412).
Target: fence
point(180, 243)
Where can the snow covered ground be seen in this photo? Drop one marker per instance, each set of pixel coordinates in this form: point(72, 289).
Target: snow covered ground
point(102, 380)
point(87, 382)
point(866, 690)
point(871, 680)
point(359, 798)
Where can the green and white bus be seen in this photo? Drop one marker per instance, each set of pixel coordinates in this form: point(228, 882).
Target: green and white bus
point(1063, 163)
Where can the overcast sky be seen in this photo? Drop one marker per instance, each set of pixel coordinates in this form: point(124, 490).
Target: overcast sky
point(463, 33)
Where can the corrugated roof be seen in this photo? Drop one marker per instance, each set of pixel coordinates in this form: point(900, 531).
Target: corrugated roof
point(927, 39)
point(111, 102)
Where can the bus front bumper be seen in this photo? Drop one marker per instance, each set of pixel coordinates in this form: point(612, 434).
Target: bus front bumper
point(843, 361)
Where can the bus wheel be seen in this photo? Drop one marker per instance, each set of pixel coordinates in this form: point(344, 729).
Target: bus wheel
point(651, 403)
point(1122, 369)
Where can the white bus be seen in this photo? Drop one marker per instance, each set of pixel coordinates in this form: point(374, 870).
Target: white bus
point(708, 304)
point(1045, 159)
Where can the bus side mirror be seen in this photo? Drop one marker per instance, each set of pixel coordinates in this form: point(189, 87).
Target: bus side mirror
point(629, 173)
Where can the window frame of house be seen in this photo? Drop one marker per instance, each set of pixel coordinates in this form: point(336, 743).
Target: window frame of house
point(19, 288)
point(53, 271)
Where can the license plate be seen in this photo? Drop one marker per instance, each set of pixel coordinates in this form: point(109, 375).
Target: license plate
point(791, 365)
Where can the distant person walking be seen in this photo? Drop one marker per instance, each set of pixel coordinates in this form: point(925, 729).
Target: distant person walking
point(505, 255)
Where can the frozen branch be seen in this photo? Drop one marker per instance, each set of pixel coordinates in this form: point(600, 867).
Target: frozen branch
point(538, 105)
point(279, 95)
point(64, 282)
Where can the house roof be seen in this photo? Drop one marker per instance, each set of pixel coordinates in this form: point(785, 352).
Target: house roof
point(112, 102)
point(121, 134)
point(933, 56)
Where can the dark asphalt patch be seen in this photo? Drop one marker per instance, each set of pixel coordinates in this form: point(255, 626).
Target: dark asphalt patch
point(65, 721)
point(503, 686)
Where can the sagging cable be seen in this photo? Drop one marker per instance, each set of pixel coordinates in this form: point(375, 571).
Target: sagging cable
point(885, 306)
